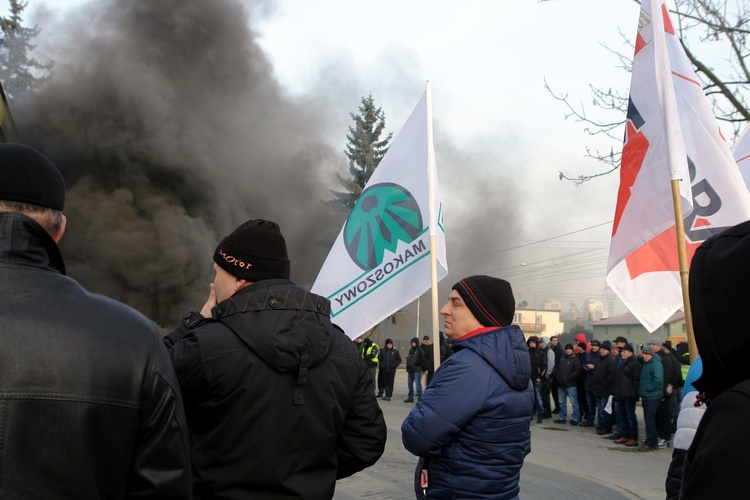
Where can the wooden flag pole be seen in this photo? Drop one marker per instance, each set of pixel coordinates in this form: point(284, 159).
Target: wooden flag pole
point(684, 270)
point(433, 233)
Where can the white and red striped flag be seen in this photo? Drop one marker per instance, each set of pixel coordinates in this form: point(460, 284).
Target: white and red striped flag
point(671, 134)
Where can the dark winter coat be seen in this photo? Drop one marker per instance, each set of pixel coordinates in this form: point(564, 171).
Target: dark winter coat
point(415, 358)
point(472, 423)
point(583, 375)
point(568, 371)
point(627, 379)
point(538, 360)
point(278, 402)
point(718, 456)
point(89, 403)
point(591, 358)
point(427, 351)
point(389, 360)
point(720, 448)
point(559, 355)
point(672, 373)
point(603, 376)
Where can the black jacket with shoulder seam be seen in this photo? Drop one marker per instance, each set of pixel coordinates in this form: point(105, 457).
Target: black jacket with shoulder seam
point(89, 403)
point(279, 403)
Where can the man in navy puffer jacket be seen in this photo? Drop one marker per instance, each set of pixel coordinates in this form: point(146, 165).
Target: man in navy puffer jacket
point(471, 427)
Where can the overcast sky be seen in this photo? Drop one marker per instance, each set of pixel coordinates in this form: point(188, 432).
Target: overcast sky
point(487, 62)
point(500, 138)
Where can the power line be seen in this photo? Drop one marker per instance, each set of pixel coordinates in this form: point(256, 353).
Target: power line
point(533, 242)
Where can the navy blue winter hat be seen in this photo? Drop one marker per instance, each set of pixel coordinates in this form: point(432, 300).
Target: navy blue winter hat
point(255, 251)
point(27, 176)
point(489, 299)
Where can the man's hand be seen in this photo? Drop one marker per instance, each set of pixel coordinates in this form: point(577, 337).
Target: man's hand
point(210, 302)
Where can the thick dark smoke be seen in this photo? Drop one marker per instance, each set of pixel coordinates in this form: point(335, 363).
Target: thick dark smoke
point(171, 130)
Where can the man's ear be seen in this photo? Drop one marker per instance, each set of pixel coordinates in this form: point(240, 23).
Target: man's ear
point(60, 231)
point(240, 283)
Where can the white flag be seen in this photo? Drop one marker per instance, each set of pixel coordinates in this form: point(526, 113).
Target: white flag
point(671, 133)
point(741, 151)
point(380, 261)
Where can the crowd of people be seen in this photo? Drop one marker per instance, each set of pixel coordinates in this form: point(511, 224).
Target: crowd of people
point(259, 395)
point(603, 380)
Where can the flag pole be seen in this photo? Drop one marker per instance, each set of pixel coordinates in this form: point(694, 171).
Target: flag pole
point(675, 155)
point(433, 231)
point(684, 270)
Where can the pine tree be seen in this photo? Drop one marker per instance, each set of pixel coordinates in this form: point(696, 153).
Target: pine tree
point(18, 71)
point(364, 151)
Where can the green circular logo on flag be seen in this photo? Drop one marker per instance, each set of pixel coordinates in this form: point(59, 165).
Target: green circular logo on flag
point(383, 215)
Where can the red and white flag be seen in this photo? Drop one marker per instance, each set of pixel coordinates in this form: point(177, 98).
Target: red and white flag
point(671, 133)
point(741, 151)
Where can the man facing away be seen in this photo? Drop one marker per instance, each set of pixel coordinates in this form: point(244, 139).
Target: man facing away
point(89, 403)
point(279, 403)
point(471, 428)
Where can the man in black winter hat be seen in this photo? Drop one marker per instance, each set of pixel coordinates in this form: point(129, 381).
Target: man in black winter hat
point(388, 360)
point(471, 427)
point(89, 406)
point(279, 403)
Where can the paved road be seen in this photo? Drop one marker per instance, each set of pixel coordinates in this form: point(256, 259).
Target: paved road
point(565, 462)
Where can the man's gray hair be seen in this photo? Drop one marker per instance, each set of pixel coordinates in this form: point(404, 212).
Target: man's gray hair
point(49, 218)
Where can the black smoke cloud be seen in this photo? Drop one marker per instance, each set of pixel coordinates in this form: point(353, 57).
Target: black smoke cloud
point(170, 129)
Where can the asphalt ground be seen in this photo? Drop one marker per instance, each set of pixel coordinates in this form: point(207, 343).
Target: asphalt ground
point(565, 462)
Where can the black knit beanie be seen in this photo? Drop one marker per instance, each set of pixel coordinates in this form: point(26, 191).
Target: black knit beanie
point(490, 299)
point(255, 251)
point(27, 176)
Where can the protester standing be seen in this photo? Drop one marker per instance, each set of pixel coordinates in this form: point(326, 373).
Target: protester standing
point(651, 391)
point(414, 365)
point(389, 359)
point(89, 405)
point(567, 379)
point(471, 428)
point(627, 380)
point(279, 402)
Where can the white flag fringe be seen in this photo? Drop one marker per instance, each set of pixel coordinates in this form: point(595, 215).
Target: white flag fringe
point(380, 261)
point(671, 134)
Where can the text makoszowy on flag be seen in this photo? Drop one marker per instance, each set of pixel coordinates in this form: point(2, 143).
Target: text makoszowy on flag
point(380, 261)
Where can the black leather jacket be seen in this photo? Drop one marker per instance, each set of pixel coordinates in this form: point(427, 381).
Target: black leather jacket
point(89, 406)
point(279, 403)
